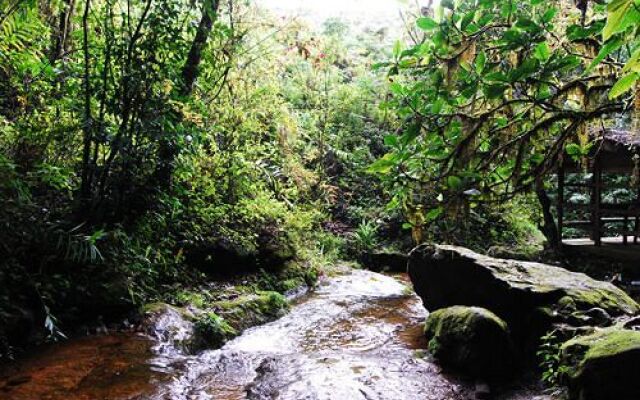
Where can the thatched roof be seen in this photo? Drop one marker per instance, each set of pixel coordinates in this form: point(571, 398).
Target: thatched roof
point(624, 137)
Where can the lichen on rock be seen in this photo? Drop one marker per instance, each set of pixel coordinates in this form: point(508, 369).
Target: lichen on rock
point(444, 276)
point(472, 340)
point(603, 365)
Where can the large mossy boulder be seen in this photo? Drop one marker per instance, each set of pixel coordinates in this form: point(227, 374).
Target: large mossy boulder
point(275, 248)
point(472, 340)
point(271, 249)
point(528, 296)
point(602, 366)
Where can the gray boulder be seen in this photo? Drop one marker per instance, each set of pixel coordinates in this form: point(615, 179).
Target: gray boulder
point(472, 340)
point(529, 296)
point(603, 365)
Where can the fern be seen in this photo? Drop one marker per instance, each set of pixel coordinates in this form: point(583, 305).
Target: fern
point(21, 28)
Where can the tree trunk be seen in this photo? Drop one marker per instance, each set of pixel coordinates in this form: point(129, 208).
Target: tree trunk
point(192, 64)
point(85, 185)
point(60, 40)
point(168, 150)
point(549, 228)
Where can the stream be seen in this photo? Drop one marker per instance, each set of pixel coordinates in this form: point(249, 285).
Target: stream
point(357, 336)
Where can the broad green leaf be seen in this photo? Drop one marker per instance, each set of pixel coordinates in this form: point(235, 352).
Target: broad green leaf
point(454, 182)
point(468, 18)
point(623, 85)
point(437, 106)
point(391, 140)
point(617, 19)
point(384, 164)
point(410, 133)
point(426, 23)
point(608, 48)
point(542, 52)
point(434, 214)
point(573, 149)
point(397, 49)
point(577, 32)
point(549, 15)
point(481, 62)
point(633, 65)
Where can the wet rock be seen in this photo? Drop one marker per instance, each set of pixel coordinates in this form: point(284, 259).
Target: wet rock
point(115, 366)
point(253, 309)
point(171, 327)
point(381, 260)
point(517, 291)
point(482, 391)
point(472, 340)
point(593, 317)
point(632, 323)
point(603, 365)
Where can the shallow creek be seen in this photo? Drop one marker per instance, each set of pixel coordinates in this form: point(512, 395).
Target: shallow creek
point(356, 337)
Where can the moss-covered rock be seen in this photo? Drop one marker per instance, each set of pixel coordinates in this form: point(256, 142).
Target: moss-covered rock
point(212, 331)
point(603, 365)
point(275, 248)
point(193, 329)
point(252, 309)
point(448, 275)
point(472, 340)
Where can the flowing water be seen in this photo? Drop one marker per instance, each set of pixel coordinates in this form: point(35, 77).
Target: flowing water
point(358, 336)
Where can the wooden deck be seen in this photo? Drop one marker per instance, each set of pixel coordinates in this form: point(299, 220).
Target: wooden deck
point(612, 248)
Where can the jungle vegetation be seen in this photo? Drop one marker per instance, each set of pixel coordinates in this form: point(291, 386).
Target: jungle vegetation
point(147, 145)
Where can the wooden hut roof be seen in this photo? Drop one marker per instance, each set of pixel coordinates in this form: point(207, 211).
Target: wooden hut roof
point(616, 150)
point(623, 137)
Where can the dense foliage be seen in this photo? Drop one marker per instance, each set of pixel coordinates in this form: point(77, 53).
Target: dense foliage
point(145, 143)
point(149, 148)
point(493, 94)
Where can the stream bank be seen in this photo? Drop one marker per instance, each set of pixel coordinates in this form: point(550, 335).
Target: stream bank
point(357, 336)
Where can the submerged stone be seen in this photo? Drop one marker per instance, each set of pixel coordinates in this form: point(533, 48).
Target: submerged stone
point(472, 340)
point(603, 365)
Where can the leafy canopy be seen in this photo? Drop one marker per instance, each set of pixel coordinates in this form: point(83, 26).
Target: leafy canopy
point(491, 95)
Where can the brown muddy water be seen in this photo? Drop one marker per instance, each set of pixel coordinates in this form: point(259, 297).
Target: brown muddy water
point(357, 337)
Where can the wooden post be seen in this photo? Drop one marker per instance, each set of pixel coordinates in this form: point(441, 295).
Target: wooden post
point(625, 227)
point(636, 229)
point(596, 199)
point(560, 199)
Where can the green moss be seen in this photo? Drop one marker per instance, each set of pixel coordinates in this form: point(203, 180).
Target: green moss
point(153, 307)
point(458, 320)
point(159, 307)
point(311, 277)
point(608, 300)
point(272, 303)
point(605, 343)
point(186, 297)
point(471, 339)
point(252, 309)
point(292, 284)
point(212, 331)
